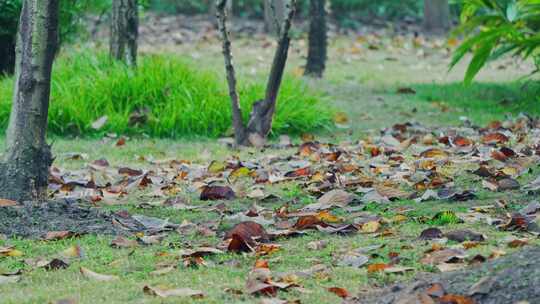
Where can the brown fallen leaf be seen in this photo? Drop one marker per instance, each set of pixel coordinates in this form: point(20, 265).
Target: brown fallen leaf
point(59, 235)
point(248, 229)
point(430, 234)
point(495, 138)
point(443, 256)
point(167, 293)
point(212, 193)
point(122, 242)
point(7, 203)
point(89, 274)
point(340, 292)
point(377, 267)
point(436, 290)
point(455, 299)
point(309, 222)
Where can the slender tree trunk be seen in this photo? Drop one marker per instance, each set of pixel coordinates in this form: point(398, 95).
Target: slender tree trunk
point(124, 31)
point(316, 61)
point(238, 123)
point(213, 11)
point(437, 18)
point(260, 121)
point(7, 54)
point(262, 114)
point(24, 171)
point(274, 15)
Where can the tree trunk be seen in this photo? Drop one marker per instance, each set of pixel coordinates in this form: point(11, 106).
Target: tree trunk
point(237, 121)
point(316, 60)
point(213, 11)
point(262, 114)
point(274, 15)
point(437, 18)
point(24, 171)
point(7, 54)
point(260, 121)
point(124, 31)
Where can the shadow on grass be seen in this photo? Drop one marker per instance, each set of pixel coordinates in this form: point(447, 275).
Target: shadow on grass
point(481, 101)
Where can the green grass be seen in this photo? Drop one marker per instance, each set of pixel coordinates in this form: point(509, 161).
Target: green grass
point(484, 102)
point(181, 99)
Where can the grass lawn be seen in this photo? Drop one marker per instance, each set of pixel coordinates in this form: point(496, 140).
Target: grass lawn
point(363, 85)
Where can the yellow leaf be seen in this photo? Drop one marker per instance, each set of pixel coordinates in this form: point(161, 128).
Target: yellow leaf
point(371, 227)
point(326, 216)
point(240, 172)
point(14, 253)
point(216, 167)
point(399, 218)
point(341, 118)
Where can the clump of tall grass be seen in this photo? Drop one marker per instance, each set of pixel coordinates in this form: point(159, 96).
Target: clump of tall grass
point(174, 98)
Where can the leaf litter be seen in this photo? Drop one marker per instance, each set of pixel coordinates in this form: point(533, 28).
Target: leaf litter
point(406, 162)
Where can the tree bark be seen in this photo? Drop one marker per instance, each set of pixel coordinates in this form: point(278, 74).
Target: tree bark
point(7, 54)
point(24, 170)
point(238, 123)
point(316, 60)
point(274, 15)
point(124, 31)
point(260, 121)
point(213, 12)
point(437, 18)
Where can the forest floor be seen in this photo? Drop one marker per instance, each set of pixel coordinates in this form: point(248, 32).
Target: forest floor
point(373, 235)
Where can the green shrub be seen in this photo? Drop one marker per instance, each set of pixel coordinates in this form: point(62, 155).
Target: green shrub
point(179, 99)
point(494, 28)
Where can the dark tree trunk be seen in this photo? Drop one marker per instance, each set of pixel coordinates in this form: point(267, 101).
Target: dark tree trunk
point(24, 171)
point(437, 18)
point(237, 120)
point(262, 114)
point(124, 31)
point(7, 54)
point(316, 60)
point(274, 15)
point(260, 121)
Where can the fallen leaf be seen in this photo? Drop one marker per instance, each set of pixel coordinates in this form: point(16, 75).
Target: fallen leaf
point(167, 293)
point(7, 203)
point(463, 235)
point(99, 123)
point(455, 299)
point(430, 234)
point(89, 274)
point(212, 193)
point(340, 292)
point(377, 267)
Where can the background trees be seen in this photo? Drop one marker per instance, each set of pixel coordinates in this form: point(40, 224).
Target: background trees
point(437, 16)
point(124, 31)
point(24, 171)
point(316, 59)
